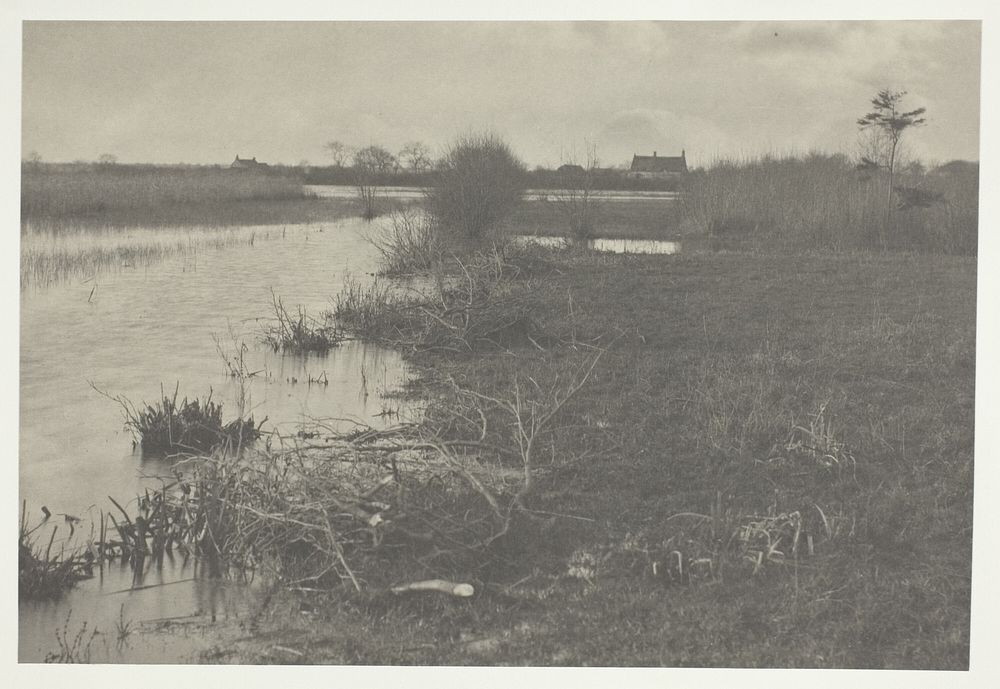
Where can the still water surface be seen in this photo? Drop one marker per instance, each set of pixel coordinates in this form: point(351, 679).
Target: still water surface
point(343, 191)
point(147, 327)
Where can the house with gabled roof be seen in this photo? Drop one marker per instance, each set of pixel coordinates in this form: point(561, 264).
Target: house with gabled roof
point(246, 163)
point(658, 167)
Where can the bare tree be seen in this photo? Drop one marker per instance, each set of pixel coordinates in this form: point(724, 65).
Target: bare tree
point(33, 160)
point(107, 160)
point(416, 156)
point(578, 201)
point(375, 158)
point(338, 152)
point(369, 163)
point(887, 122)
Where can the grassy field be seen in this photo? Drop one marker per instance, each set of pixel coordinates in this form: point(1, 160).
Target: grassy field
point(771, 466)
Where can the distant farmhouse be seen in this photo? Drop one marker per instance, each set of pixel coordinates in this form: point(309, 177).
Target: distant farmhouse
point(658, 167)
point(247, 164)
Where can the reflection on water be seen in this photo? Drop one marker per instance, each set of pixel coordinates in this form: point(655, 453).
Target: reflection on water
point(336, 191)
point(172, 612)
point(611, 245)
point(167, 324)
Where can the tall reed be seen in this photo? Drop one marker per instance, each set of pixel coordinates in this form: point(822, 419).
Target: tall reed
point(133, 195)
point(823, 201)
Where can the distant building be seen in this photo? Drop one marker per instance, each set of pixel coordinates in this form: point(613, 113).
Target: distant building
point(246, 163)
point(658, 167)
point(570, 168)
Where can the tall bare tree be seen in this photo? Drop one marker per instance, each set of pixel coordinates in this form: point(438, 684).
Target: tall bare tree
point(887, 122)
point(416, 156)
point(338, 152)
point(369, 164)
point(578, 199)
point(375, 159)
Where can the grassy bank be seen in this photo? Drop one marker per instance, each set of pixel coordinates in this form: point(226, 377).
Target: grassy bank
point(54, 198)
point(769, 466)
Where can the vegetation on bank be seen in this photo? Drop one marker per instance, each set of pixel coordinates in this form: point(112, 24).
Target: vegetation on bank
point(703, 459)
point(751, 475)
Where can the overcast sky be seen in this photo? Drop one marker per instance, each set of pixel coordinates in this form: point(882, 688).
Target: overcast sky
point(204, 92)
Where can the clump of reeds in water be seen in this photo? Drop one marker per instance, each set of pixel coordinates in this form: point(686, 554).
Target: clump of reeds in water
point(41, 571)
point(299, 333)
point(186, 426)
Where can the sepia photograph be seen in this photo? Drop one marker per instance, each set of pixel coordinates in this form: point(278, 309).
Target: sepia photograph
point(554, 343)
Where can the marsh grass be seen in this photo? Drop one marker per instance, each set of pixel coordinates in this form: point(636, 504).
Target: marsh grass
point(299, 333)
point(465, 304)
point(144, 195)
point(375, 310)
point(186, 426)
point(49, 257)
point(43, 572)
point(824, 202)
point(408, 242)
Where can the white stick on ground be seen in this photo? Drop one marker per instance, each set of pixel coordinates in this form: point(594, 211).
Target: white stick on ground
point(439, 585)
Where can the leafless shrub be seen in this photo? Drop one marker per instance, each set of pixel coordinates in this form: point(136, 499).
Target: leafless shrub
point(410, 242)
point(479, 182)
point(578, 199)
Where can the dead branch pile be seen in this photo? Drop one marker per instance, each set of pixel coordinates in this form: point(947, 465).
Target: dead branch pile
point(332, 510)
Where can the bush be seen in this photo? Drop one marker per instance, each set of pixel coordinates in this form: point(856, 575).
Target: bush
point(479, 183)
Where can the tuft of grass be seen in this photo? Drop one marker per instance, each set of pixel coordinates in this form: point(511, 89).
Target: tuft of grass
point(41, 572)
point(299, 333)
point(373, 310)
point(185, 426)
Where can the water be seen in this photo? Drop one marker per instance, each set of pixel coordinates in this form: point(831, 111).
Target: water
point(144, 327)
point(341, 191)
point(611, 245)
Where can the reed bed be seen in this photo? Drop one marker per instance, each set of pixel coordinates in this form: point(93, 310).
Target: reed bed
point(49, 257)
point(825, 202)
point(119, 193)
